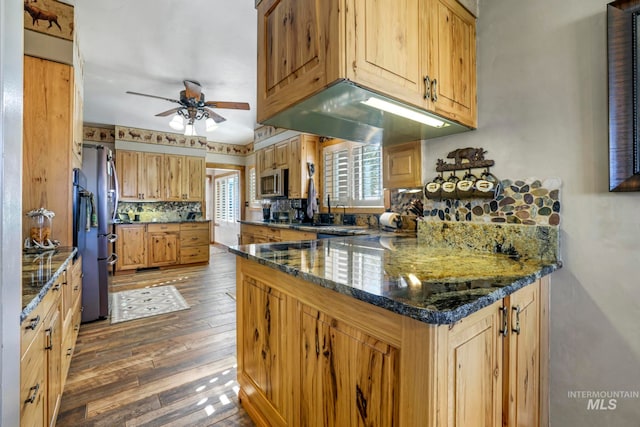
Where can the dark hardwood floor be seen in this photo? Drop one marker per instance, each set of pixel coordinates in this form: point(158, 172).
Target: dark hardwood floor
point(175, 369)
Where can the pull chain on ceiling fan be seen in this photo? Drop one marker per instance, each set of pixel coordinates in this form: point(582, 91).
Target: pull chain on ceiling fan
point(194, 107)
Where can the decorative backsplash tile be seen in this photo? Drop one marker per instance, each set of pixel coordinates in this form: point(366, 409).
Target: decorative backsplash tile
point(526, 202)
point(160, 211)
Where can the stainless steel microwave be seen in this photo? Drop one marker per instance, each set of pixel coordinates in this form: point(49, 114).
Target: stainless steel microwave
point(274, 183)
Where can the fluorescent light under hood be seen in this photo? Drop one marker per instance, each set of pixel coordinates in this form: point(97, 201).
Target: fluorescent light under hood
point(405, 112)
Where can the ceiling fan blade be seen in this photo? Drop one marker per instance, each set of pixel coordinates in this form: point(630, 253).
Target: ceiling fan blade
point(192, 89)
point(215, 116)
point(168, 112)
point(229, 105)
point(154, 96)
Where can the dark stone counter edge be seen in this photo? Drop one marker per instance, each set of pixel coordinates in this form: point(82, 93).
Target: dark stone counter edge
point(169, 221)
point(36, 300)
point(418, 313)
point(336, 230)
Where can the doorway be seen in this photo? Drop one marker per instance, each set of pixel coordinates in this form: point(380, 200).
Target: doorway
point(224, 201)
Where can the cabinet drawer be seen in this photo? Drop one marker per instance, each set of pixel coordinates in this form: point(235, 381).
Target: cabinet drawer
point(163, 227)
point(33, 323)
point(194, 225)
point(293, 235)
point(194, 254)
point(194, 238)
point(32, 383)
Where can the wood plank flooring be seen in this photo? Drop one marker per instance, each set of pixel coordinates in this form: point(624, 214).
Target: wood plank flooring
point(175, 369)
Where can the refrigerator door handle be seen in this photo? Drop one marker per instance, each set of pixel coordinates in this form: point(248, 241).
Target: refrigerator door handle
point(116, 188)
point(112, 237)
point(113, 258)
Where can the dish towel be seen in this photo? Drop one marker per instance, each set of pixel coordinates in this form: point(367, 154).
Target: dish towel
point(312, 203)
point(92, 212)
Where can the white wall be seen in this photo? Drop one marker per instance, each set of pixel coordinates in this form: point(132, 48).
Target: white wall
point(542, 102)
point(11, 42)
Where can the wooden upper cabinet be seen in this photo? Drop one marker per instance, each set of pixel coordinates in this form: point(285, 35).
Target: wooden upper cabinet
point(385, 50)
point(402, 165)
point(294, 39)
point(421, 52)
point(173, 166)
point(268, 158)
point(302, 150)
point(281, 154)
point(453, 62)
point(127, 166)
point(150, 176)
point(140, 175)
point(193, 178)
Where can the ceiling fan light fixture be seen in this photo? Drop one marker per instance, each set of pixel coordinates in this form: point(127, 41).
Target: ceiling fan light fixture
point(210, 124)
point(176, 123)
point(190, 130)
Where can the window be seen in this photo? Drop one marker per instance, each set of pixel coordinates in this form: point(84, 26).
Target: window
point(353, 174)
point(227, 207)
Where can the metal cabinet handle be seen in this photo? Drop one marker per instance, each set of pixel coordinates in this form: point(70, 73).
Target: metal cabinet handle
point(504, 329)
point(112, 237)
point(112, 259)
point(516, 328)
point(69, 351)
point(34, 393)
point(427, 87)
point(56, 287)
point(33, 323)
point(434, 90)
point(49, 339)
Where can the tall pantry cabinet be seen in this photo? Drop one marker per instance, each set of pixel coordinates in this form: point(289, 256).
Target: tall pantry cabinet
point(47, 143)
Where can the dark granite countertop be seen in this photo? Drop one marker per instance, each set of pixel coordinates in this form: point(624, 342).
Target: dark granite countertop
point(333, 229)
point(160, 221)
point(403, 274)
point(39, 272)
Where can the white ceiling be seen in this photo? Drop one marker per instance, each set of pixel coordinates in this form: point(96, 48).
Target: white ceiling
point(151, 46)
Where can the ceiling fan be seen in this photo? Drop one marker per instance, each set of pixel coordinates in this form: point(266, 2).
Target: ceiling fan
point(194, 107)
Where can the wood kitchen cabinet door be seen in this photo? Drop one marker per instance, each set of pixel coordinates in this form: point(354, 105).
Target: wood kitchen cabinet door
point(453, 62)
point(262, 339)
point(289, 70)
point(348, 377)
point(151, 176)
point(522, 358)
point(193, 178)
point(127, 163)
point(173, 166)
point(473, 373)
point(53, 363)
point(402, 165)
point(386, 50)
point(131, 246)
point(163, 248)
point(47, 143)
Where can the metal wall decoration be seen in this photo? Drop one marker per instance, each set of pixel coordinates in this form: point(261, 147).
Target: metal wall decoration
point(49, 17)
point(623, 45)
point(469, 186)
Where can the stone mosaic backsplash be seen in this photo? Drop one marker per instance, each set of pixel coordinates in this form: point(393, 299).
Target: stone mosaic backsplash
point(518, 241)
point(525, 202)
point(160, 211)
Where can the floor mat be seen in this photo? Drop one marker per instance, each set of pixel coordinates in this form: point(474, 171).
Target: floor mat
point(139, 303)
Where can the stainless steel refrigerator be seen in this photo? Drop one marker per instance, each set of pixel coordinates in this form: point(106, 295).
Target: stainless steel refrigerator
point(95, 201)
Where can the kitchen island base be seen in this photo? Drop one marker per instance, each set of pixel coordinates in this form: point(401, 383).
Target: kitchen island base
point(308, 356)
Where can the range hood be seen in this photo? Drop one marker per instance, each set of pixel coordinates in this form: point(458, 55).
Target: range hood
point(339, 111)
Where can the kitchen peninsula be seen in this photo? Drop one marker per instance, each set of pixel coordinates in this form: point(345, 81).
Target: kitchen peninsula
point(401, 331)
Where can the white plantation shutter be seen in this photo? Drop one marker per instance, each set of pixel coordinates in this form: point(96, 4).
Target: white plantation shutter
point(353, 174)
point(227, 207)
point(253, 191)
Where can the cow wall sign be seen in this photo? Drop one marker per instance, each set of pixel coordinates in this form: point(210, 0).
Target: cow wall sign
point(49, 17)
